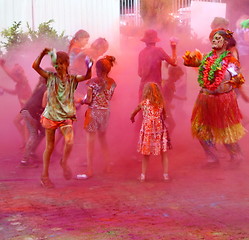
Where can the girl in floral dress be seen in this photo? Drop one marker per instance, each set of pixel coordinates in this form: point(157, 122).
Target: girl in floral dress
point(153, 139)
point(99, 94)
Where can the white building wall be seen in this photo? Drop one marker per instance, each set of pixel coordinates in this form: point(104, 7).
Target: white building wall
point(99, 17)
point(14, 10)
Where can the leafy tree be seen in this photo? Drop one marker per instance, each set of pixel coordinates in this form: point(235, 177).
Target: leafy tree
point(14, 36)
point(45, 31)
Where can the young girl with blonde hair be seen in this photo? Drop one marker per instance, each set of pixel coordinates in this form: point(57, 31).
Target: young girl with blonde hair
point(153, 139)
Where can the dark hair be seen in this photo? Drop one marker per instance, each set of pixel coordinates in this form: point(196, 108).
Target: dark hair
point(226, 34)
point(211, 35)
point(81, 34)
point(63, 56)
point(105, 64)
point(78, 35)
point(100, 43)
point(219, 22)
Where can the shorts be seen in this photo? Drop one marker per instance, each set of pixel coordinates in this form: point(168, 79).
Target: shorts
point(50, 124)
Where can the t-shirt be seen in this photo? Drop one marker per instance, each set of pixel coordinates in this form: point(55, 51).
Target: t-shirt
point(149, 64)
point(60, 98)
point(34, 104)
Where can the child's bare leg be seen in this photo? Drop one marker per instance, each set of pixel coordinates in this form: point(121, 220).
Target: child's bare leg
point(90, 140)
point(105, 150)
point(165, 162)
point(34, 137)
point(67, 132)
point(48, 151)
point(145, 163)
point(165, 166)
point(21, 128)
point(59, 142)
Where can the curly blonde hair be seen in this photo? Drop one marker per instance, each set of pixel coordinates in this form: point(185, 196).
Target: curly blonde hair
point(153, 93)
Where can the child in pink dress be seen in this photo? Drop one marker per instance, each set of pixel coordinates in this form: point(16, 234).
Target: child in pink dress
point(154, 139)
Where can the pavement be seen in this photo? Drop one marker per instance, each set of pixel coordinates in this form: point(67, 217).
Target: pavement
point(197, 204)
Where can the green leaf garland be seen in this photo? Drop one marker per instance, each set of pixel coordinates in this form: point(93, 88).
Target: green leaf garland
point(216, 66)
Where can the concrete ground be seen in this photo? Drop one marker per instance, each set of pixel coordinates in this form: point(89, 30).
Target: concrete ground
point(210, 204)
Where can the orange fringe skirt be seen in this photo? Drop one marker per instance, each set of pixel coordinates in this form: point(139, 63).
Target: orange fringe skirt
point(216, 117)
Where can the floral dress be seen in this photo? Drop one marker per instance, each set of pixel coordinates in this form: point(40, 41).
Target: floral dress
point(98, 112)
point(153, 138)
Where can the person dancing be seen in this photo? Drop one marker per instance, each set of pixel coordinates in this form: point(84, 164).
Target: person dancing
point(216, 117)
point(22, 90)
point(99, 94)
point(60, 109)
point(154, 138)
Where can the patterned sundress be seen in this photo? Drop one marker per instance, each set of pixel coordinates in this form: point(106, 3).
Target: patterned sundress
point(153, 138)
point(98, 112)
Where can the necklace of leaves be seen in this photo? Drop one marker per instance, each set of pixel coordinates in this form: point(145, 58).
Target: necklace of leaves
point(211, 71)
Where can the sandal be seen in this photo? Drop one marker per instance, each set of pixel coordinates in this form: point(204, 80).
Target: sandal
point(166, 177)
point(141, 178)
point(31, 164)
point(46, 182)
point(83, 176)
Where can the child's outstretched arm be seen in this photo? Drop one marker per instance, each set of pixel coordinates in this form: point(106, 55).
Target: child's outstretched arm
point(137, 109)
point(37, 62)
point(173, 44)
point(192, 59)
point(88, 98)
point(9, 91)
point(89, 64)
point(5, 68)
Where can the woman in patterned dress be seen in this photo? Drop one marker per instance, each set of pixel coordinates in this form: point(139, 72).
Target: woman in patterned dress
point(153, 139)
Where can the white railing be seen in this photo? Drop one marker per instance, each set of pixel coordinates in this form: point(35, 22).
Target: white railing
point(130, 10)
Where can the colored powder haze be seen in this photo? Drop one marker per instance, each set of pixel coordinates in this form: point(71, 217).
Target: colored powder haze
point(122, 134)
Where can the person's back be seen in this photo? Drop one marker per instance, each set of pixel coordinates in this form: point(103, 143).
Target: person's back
point(34, 104)
point(31, 113)
point(99, 93)
point(102, 92)
point(23, 91)
point(150, 112)
point(22, 87)
point(153, 135)
point(150, 61)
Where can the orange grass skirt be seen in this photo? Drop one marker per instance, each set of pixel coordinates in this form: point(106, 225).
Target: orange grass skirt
point(217, 117)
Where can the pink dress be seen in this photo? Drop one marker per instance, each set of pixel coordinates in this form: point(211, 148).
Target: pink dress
point(154, 137)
